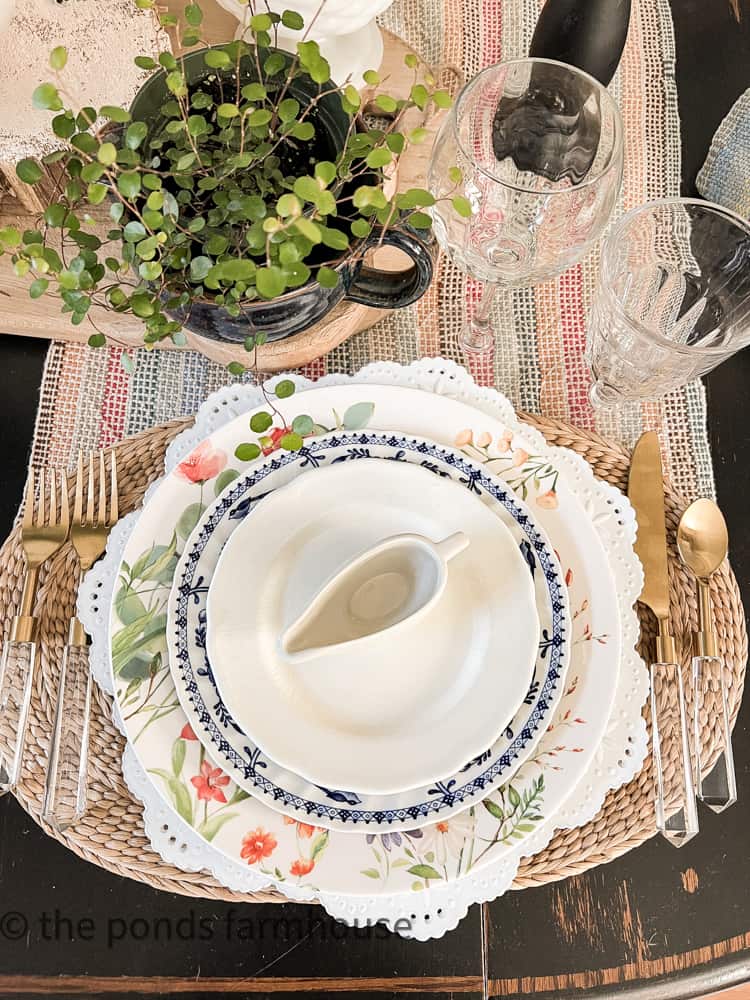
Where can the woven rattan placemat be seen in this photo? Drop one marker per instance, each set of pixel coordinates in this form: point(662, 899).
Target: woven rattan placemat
point(111, 834)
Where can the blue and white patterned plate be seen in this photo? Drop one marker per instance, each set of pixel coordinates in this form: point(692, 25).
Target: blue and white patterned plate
point(282, 789)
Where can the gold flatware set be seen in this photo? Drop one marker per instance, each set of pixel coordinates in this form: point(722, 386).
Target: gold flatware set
point(679, 772)
point(46, 526)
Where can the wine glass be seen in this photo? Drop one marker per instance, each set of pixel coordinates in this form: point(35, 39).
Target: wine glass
point(525, 171)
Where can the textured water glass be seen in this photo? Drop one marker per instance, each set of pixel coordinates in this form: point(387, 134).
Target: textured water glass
point(673, 299)
point(525, 171)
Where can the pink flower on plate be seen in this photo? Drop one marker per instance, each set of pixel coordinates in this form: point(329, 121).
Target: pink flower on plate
point(547, 500)
point(302, 866)
point(202, 464)
point(504, 442)
point(463, 438)
point(520, 457)
point(210, 782)
point(484, 440)
point(186, 733)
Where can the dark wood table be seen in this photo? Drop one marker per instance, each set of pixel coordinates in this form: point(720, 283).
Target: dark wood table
point(657, 924)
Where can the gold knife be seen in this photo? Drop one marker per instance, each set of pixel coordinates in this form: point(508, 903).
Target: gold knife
point(674, 792)
point(646, 493)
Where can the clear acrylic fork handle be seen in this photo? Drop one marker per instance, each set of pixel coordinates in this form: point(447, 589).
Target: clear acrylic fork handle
point(66, 789)
point(16, 680)
point(676, 812)
point(717, 787)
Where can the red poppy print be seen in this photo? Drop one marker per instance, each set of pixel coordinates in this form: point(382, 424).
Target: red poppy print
point(186, 733)
point(202, 464)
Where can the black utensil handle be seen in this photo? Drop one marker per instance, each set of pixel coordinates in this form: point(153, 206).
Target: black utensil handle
point(394, 289)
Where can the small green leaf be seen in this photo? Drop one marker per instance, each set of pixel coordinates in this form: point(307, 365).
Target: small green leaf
point(107, 153)
point(493, 809)
point(378, 158)
point(358, 416)
point(227, 111)
point(302, 425)
point(462, 206)
point(135, 134)
point(270, 282)
point(411, 60)
point(260, 422)
point(38, 287)
point(29, 171)
point(327, 277)
point(246, 452)
point(370, 873)
point(114, 113)
point(284, 389)
point(442, 99)
point(235, 368)
point(46, 98)
point(193, 14)
point(129, 183)
point(386, 103)
point(58, 57)
point(291, 442)
point(210, 827)
point(292, 20)
point(454, 175)
point(97, 340)
point(217, 59)
point(224, 479)
point(424, 871)
point(371, 77)
point(199, 268)
point(179, 749)
point(188, 519)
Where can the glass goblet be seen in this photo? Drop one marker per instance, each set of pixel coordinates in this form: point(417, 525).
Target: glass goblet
point(525, 171)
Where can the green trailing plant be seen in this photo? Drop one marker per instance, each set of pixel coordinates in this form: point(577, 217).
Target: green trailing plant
point(222, 194)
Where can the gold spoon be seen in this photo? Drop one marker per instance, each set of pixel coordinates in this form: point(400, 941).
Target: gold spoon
point(702, 541)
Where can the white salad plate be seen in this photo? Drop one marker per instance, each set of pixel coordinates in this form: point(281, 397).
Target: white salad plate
point(197, 818)
point(332, 806)
point(410, 705)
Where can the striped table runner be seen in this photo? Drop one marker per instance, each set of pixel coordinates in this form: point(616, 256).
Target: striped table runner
point(88, 400)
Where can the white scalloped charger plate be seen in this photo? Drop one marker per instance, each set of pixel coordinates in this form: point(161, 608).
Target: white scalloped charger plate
point(447, 406)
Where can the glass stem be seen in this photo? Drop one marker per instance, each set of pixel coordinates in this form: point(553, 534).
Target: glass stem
point(477, 334)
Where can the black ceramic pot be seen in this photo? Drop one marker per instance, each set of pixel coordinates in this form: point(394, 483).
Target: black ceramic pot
point(300, 308)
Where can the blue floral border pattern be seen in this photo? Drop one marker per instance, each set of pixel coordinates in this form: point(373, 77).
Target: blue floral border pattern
point(314, 454)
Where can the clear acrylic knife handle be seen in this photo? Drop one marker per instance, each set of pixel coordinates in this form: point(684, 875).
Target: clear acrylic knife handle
point(676, 812)
point(16, 681)
point(66, 789)
point(717, 788)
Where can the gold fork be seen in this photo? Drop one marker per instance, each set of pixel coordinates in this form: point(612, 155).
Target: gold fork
point(66, 787)
point(44, 529)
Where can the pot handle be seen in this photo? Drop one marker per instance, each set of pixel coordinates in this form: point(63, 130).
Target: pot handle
point(395, 289)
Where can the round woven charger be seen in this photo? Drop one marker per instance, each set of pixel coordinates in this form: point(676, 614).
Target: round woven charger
point(111, 833)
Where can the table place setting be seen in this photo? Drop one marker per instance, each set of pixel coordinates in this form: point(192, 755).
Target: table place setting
point(371, 634)
point(250, 697)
